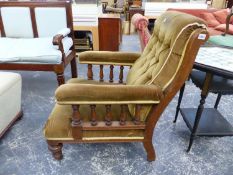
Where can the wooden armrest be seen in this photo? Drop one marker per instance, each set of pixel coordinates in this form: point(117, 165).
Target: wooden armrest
point(57, 39)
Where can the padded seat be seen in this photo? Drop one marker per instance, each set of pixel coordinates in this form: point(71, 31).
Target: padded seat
point(218, 84)
point(32, 50)
point(59, 128)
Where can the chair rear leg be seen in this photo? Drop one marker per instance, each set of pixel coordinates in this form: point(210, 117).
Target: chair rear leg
point(74, 68)
point(60, 78)
point(150, 150)
point(218, 100)
point(56, 149)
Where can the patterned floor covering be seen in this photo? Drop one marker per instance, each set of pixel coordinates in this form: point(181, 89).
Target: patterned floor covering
point(23, 150)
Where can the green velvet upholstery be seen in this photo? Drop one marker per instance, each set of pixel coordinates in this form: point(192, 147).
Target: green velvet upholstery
point(164, 52)
point(157, 65)
point(58, 125)
point(147, 81)
point(108, 57)
point(220, 40)
point(108, 94)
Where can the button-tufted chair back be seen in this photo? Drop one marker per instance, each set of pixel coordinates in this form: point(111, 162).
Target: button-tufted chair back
point(164, 53)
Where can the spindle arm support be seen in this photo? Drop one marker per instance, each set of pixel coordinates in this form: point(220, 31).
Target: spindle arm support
point(108, 94)
point(108, 58)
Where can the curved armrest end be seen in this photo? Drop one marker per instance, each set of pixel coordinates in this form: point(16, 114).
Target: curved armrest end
point(57, 39)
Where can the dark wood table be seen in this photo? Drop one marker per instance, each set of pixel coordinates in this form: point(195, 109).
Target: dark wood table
point(209, 121)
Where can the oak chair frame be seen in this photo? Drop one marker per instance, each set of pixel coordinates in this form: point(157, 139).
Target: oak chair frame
point(57, 40)
point(55, 146)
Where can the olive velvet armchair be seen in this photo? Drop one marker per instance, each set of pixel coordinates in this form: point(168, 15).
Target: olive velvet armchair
point(97, 111)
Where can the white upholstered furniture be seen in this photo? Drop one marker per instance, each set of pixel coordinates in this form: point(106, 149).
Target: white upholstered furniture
point(10, 100)
point(37, 36)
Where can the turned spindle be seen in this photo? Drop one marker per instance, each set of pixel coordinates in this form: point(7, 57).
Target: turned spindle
point(101, 73)
point(121, 74)
point(93, 115)
point(111, 74)
point(90, 72)
point(123, 114)
point(108, 117)
point(137, 115)
point(76, 117)
point(76, 123)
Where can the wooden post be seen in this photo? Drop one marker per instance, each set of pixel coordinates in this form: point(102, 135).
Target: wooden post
point(76, 123)
point(93, 115)
point(137, 115)
point(108, 117)
point(123, 114)
point(111, 74)
point(121, 75)
point(101, 73)
point(90, 73)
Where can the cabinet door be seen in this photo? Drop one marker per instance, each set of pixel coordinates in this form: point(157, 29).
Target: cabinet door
point(109, 33)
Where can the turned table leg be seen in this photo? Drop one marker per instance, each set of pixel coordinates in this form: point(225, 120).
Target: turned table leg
point(204, 94)
point(56, 149)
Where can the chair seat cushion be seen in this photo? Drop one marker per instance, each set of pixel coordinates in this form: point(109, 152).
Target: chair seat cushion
point(58, 126)
point(221, 15)
point(32, 50)
point(218, 84)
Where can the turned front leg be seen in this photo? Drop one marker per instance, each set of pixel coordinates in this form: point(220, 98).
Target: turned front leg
point(56, 150)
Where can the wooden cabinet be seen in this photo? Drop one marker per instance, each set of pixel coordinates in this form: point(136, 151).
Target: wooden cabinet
point(110, 32)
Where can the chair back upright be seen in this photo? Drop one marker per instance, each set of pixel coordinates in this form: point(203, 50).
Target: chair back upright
point(166, 53)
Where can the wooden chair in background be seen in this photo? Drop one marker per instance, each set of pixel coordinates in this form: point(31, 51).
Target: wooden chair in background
point(115, 6)
point(37, 36)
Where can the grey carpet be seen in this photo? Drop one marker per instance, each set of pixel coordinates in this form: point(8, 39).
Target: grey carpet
point(23, 150)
